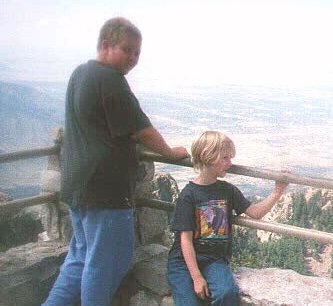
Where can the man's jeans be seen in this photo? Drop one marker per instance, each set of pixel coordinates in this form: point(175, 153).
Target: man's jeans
point(221, 284)
point(99, 255)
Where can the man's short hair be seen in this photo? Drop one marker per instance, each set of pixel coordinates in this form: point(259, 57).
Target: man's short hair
point(114, 30)
point(209, 146)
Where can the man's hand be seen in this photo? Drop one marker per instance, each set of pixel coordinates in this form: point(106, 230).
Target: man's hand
point(179, 153)
point(154, 141)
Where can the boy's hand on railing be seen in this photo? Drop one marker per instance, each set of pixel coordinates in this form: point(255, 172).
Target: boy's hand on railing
point(179, 153)
point(281, 186)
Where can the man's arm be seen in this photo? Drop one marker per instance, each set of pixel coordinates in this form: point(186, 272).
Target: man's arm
point(153, 140)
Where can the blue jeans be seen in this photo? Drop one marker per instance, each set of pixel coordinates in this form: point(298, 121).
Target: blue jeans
point(99, 255)
point(221, 284)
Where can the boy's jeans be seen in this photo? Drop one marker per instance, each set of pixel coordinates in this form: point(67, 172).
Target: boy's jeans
point(99, 255)
point(221, 284)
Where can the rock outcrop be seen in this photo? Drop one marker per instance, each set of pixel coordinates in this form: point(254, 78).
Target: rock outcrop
point(19, 228)
point(284, 209)
point(27, 273)
point(275, 287)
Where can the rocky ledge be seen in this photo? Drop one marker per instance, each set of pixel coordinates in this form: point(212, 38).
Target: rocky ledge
point(28, 271)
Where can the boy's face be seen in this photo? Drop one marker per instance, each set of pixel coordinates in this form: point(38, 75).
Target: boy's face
point(222, 164)
point(124, 56)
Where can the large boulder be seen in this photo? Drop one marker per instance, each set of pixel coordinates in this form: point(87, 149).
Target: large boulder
point(150, 273)
point(27, 272)
point(276, 287)
point(152, 224)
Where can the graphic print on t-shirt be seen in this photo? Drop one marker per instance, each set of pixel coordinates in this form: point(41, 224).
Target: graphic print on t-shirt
point(212, 220)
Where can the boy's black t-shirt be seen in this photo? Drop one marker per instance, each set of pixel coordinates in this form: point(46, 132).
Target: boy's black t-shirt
point(99, 153)
point(207, 211)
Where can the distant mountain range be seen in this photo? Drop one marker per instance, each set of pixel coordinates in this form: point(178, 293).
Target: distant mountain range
point(28, 114)
point(26, 117)
point(273, 128)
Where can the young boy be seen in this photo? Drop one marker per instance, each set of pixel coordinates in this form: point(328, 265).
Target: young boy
point(103, 121)
point(198, 264)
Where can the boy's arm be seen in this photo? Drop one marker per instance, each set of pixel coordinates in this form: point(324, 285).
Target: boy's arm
point(257, 211)
point(153, 140)
point(199, 283)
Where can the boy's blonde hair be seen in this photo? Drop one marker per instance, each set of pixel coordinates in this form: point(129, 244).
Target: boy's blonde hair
point(114, 30)
point(209, 146)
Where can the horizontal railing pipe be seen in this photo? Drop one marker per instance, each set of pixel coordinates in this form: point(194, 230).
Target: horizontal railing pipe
point(282, 176)
point(16, 205)
point(147, 155)
point(282, 229)
point(285, 230)
point(157, 204)
point(247, 171)
point(32, 153)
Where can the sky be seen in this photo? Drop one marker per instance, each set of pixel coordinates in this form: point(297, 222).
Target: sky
point(194, 42)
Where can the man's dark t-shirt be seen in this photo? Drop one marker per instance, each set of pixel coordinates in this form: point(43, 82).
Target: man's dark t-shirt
point(207, 211)
point(99, 153)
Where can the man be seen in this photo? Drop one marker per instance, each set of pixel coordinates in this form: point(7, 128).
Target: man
point(103, 122)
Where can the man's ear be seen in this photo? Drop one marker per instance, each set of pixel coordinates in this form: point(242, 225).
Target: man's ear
point(105, 45)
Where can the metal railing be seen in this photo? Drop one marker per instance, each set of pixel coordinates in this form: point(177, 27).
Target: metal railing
point(248, 171)
point(25, 154)
point(52, 197)
point(145, 155)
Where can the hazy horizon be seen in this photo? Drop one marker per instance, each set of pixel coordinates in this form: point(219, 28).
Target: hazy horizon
point(272, 127)
point(212, 42)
